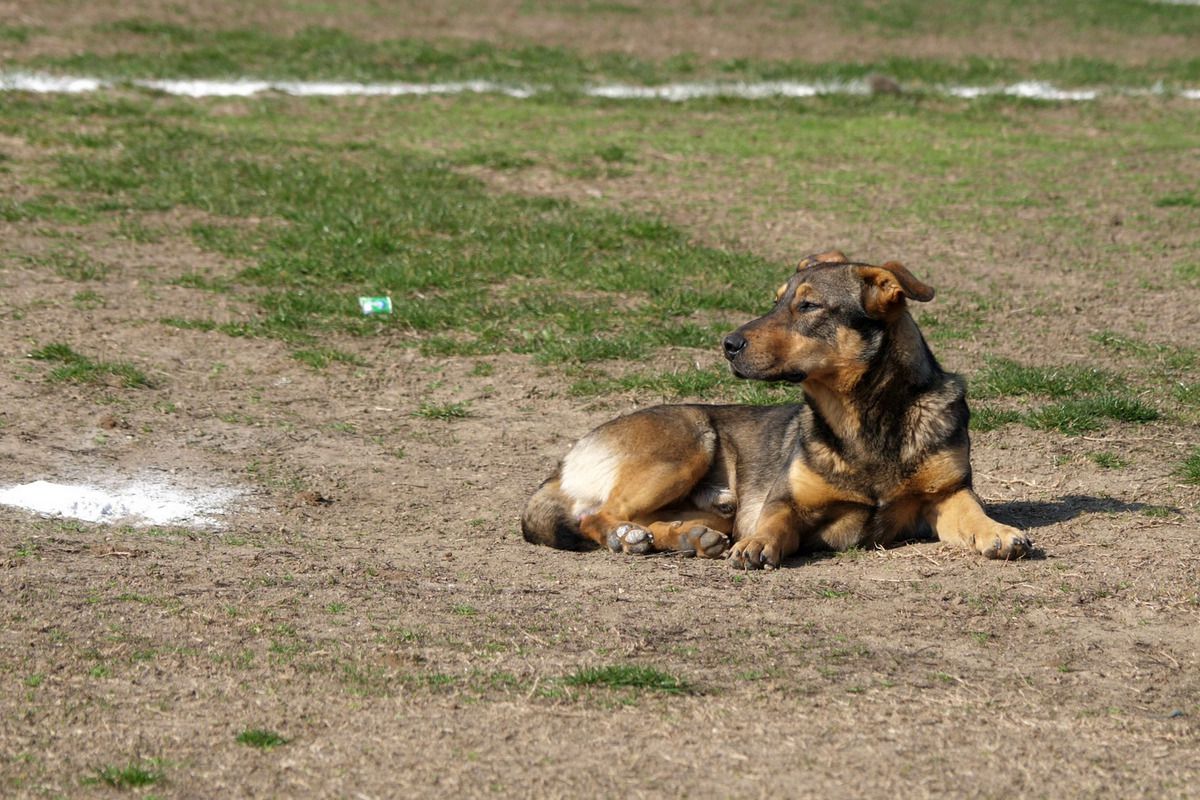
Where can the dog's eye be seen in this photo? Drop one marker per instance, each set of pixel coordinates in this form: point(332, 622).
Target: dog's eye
point(807, 306)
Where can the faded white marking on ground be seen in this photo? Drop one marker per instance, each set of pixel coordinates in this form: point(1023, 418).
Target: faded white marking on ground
point(671, 92)
point(138, 503)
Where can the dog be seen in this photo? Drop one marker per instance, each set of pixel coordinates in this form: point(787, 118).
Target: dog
point(879, 450)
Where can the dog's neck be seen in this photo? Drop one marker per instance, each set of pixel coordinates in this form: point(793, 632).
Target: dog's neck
point(866, 406)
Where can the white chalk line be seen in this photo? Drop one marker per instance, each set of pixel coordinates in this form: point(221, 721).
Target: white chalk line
point(137, 503)
point(42, 83)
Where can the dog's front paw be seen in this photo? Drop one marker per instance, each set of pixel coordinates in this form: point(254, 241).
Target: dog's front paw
point(630, 538)
point(755, 554)
point(703, 542)
point(1003, 542)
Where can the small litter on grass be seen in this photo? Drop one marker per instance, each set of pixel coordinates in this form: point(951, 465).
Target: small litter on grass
point(375, 305)
point(139, 503)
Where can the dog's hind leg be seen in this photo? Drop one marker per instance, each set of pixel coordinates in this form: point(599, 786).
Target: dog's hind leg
point(627, 520)
point(960, 518)
point(647, 462)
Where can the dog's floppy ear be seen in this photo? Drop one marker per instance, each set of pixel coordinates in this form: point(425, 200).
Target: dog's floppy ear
point(884, 288)
point(831, 257)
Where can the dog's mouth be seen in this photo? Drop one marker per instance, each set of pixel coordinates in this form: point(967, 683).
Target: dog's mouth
point(787, 377)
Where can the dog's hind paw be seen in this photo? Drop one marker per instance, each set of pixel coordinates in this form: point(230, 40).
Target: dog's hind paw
point(703, 542)
point(629, 538)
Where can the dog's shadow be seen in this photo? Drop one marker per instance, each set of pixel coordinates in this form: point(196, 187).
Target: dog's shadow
point(1028, 514)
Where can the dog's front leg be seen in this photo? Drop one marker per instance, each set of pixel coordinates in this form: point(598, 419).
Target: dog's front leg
point(960, 518)
point(776, 537)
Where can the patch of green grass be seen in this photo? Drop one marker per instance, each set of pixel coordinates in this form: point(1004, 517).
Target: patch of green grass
point(1095, 398)
point(949, 324)
point(70, 264)
point(1075, 417)
point(1168, 358)
point(629, 676)
point(362, 679)
point(614, 154)
point(315, 52)
point(45, 208)
point(261, 738)
point(35, 680)
point(196, 280)
point(77, 368)
point(581, 7)
point(1158, 512)
point(18, 34)
point(1108, 460)
point(494, 159)
point(490, 268)
point(1188, 271)
point(1187, 393)
point(1002, 377)
point(27, 549)
point(964, 17)
point(602, 162)
point(431, 680)
point(130, 776)
point(156, 29)
point(713, 384)
point(985, 419)
point(1181, 200)
point(87, 299)
point(189, 324)
point(321, 357)
point(444, 411)
point(135, 230)
point(1189, 468)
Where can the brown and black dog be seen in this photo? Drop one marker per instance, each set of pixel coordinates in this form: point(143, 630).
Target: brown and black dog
point(879, 451)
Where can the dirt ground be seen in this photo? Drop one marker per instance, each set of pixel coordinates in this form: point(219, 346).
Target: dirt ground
point(407, 641)
point(371, 600)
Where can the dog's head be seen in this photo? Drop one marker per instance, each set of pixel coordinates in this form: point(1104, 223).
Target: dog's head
point(828, 321)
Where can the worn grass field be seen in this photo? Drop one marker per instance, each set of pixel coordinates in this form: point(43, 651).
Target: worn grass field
point(179, 287)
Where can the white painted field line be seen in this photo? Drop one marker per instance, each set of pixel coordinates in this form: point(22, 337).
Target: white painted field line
point(138, 503)
point(48, 84)
point(246, 87)
point(1038, 90)
point(678, 92)
point(672, 92)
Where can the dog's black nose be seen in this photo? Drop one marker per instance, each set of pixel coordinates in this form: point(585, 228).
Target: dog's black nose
point(734, 344)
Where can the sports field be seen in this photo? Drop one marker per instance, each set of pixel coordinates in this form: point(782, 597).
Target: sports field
point(179, 284)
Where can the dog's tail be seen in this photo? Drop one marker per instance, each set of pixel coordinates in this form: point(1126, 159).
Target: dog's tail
point(548, 519)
